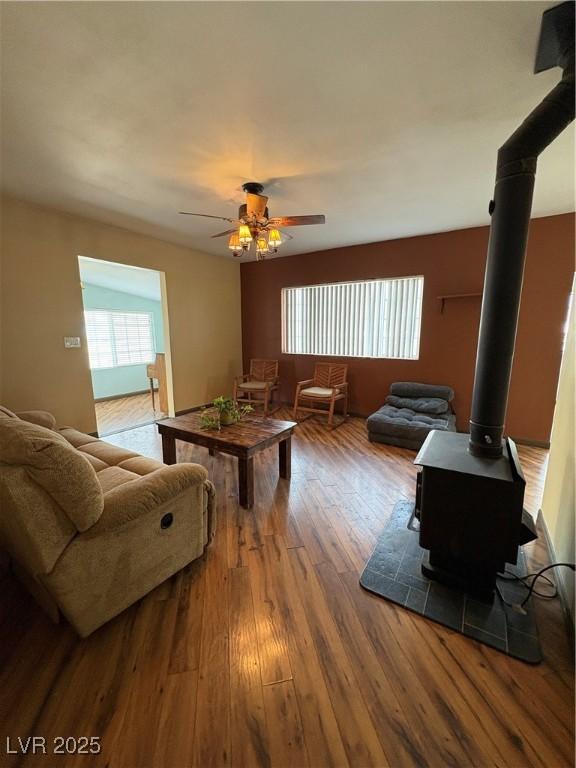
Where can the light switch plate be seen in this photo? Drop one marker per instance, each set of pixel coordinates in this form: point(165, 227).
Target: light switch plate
point(72, 342)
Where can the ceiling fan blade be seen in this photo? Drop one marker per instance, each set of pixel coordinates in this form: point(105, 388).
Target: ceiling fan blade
point(228, 232)
point(297, 221)
point(207, 216)
point(256, 204)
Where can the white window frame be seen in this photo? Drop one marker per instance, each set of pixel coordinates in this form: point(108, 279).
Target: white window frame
point(114, 350)
point(333, 333)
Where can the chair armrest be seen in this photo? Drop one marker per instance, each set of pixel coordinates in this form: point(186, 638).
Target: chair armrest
point(129, 501)
point(243, 377)
point(342, 387)
point(40, 418)
point(305, 383)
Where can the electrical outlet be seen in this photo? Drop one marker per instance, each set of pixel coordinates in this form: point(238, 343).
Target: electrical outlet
point(72, 342)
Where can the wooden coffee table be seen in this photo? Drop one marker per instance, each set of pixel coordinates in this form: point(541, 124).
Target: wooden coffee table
point(243, 440)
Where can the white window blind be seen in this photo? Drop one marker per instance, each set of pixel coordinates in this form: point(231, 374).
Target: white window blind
point(119, 338)
point(372, 318)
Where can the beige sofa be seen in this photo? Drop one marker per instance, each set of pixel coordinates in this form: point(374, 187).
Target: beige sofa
point(89, 527)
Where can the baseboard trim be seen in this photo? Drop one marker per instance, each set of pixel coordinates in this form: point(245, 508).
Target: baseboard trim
point(126, 394)
point(195, 408)
point(532, 443)
point(568, 618)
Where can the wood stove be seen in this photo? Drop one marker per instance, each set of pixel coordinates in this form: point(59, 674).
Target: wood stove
point(471, 488)
point(471, 512)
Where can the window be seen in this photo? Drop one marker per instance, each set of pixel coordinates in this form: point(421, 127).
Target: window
point(372, 318)
point(119, 338)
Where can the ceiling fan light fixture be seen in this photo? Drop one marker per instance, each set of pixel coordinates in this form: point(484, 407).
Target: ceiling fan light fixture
point(234, 243)
point(254, 225)
point(274, 239)
point(244, 235)
point(261, 245)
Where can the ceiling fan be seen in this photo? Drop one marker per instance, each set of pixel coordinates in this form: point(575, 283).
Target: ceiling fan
point(254, 224)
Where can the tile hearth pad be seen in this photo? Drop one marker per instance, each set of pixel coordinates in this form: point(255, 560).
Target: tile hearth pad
point(393, 572)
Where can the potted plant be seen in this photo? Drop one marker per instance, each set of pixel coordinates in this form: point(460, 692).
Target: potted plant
point(224, 412)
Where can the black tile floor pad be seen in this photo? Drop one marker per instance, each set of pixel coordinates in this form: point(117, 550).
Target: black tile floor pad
point(394, 572)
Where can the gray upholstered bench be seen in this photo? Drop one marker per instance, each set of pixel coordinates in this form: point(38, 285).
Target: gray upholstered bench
point(410, 412)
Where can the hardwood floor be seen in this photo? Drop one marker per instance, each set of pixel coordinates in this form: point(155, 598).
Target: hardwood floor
point(125, 413)
point(266, 651)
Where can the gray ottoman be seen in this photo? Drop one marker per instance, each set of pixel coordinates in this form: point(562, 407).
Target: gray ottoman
point(410, 412)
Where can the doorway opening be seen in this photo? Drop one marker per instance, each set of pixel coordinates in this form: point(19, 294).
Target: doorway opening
point(126, 321)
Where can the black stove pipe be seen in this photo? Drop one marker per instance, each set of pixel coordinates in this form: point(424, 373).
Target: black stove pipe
point(510, 209)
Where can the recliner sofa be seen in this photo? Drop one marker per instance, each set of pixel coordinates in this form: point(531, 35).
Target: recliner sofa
point(90, 527)
point(410, 412)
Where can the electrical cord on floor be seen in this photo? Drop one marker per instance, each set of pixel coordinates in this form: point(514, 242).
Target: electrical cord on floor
point(509, 576)
point(519, 607)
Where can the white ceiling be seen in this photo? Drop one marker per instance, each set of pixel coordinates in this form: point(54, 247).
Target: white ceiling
point(120, 277)
point(384, 116)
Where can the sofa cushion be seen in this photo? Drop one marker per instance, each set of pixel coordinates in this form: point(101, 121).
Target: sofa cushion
point(414, 389)
point(401, 421)
point(41, 418)
point(77, 438)
point(421, 404)
point(34, 529)
point(52, 463)
point(98, 464)
point(141, 465)
point(112, 477)
point(122, 504)
point(110, 454)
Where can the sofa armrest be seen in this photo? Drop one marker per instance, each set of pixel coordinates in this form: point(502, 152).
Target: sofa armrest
point(129, 501)
point(40, 418)
point(210, 508)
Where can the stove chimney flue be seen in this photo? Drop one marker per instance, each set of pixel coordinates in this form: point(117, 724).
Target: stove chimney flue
point(510, 210)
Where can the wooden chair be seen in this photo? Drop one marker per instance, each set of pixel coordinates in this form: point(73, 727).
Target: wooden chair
point(328, 385)
point(157, 370)
point(262, 380)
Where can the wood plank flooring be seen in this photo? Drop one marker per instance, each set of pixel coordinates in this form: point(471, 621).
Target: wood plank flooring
point(125, 413)
point(266, 651)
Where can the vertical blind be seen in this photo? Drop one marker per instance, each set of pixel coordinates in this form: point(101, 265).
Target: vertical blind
point(372, 318)
point(119, 338)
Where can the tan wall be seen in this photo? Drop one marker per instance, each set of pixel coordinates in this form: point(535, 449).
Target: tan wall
point(41, 302)
point(559, 504)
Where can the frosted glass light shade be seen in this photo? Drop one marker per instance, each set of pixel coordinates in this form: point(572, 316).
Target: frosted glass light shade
point(234, 243)
point(244, 235)
point(274, 238)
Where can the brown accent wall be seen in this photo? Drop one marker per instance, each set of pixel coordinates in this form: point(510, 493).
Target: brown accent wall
point(452, 263)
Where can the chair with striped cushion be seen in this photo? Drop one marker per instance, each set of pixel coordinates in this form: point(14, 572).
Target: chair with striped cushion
point(258, 386)
point(327, 387)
